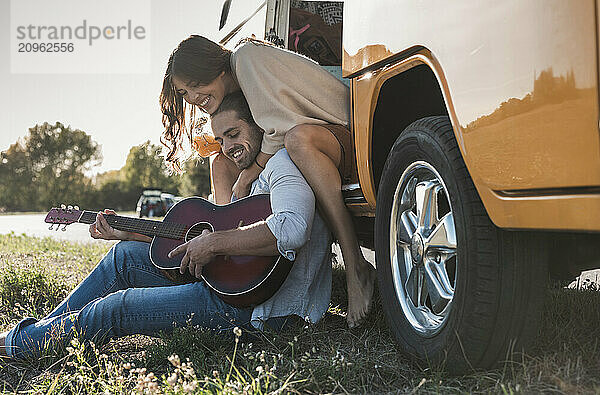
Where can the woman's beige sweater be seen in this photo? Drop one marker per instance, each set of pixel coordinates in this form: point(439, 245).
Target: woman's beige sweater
point(284, 89)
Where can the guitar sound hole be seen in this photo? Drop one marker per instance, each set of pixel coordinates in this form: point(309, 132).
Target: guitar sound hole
point(197, 229)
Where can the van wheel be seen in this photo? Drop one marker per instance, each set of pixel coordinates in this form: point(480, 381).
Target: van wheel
point(457, 290)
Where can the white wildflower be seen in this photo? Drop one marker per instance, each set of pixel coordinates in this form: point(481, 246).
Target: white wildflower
point(175, 361)
point(237, 331)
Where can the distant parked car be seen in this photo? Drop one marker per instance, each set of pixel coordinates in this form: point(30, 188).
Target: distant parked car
point(169, 200)
point(154, 203)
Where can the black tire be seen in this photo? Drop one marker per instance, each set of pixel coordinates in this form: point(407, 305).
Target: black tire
point(499, 276)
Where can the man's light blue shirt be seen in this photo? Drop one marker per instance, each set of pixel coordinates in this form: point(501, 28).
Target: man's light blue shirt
point(302, 237)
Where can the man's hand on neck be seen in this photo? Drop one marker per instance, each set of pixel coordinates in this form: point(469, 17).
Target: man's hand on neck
point(242, 186)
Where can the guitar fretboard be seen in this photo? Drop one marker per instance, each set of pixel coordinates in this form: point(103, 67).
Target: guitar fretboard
point(144, 226)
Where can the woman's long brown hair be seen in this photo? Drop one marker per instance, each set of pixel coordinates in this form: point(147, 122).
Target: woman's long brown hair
point(196, 59)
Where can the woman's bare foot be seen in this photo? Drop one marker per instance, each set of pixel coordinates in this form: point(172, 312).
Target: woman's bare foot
point(318, 153)
point(360, 283)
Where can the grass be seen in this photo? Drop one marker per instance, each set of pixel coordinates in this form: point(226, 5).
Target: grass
point(325, 358)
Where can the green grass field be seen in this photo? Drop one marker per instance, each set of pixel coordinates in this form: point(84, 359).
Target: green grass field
point(35, 274)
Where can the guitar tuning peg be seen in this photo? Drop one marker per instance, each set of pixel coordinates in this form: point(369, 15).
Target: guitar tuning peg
point(63, 206)
point(76, 208)
point(69, 207)
point(64, 228)
point(50, 228)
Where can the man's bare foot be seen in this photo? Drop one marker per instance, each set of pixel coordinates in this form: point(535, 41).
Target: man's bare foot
point(3, 353)
point(360, 283)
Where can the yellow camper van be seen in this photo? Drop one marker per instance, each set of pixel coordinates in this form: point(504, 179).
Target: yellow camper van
point(476, 135)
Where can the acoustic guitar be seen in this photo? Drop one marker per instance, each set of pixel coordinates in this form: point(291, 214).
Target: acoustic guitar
point(241, 281)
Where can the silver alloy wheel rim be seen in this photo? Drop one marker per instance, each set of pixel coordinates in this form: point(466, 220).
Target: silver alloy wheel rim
point(423, 248)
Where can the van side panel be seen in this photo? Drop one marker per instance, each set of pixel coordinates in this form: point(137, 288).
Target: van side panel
point(520, 84)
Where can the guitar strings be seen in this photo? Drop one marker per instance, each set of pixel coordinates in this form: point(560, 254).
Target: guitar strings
point(152, 228)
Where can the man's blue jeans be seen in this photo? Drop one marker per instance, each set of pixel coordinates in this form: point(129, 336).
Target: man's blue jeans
point(124, 295)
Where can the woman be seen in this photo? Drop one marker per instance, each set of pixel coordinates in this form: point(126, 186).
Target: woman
point(298, 104)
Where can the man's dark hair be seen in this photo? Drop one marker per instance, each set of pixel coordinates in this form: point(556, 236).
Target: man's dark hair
point(237, 102)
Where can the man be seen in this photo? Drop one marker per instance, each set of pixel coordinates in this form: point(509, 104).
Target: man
point(125, 294)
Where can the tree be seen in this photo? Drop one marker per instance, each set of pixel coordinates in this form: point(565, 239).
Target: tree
point(51, 161)
point(116, 195)
point(196, 179)
point(48, 167)
point(107, 176)
point(60, 156)
point(145, 168)
point(16, 178)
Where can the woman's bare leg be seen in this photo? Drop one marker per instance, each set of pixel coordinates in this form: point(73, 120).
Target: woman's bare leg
point(224, 174)
point(317, 154)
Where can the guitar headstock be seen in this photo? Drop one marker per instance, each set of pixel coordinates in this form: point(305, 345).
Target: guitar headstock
point(63, 215)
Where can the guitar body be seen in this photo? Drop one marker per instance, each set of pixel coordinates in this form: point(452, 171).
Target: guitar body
point(238, 280)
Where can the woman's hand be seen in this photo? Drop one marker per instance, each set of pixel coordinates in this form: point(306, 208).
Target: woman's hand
point(102, 230)
point(197, 253)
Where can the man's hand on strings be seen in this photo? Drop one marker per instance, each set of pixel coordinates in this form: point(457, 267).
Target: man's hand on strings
point(197, 253)
point(102, 230)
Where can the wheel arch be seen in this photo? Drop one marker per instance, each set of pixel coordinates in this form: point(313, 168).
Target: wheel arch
point(417, 86)
point(416, 92)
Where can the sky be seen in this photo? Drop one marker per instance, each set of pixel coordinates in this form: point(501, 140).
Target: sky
point(117, 110)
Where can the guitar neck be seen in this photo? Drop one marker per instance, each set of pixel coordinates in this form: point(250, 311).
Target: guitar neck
point(144, 226)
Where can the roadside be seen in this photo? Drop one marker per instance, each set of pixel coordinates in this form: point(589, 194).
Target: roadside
point(21, 213)
point(32, 224)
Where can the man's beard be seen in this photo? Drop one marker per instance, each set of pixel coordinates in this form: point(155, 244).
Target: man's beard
point(246, 161)
point(254, 146)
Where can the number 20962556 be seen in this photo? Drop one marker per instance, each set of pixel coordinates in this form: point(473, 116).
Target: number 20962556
point(46, 47)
